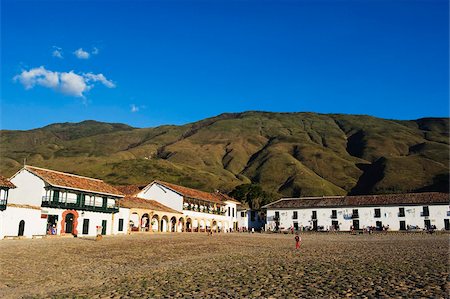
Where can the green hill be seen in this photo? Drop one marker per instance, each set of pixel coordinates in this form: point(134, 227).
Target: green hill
point(288, 154)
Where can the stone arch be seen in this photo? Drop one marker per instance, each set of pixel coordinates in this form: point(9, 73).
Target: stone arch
point(145, 222)
point(173, 224)
point(189, 225)
point(155, 223)
point(164, 224)
point(74, 223)
point(134, 221)
point(202, 225)
point(180, 226)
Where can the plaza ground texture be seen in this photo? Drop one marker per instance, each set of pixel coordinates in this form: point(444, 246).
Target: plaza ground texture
point(195, 265)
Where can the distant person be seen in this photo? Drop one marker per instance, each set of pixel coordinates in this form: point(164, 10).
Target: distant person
point(298, 241)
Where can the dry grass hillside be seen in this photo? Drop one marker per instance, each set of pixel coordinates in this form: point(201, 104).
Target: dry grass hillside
point(288, 154)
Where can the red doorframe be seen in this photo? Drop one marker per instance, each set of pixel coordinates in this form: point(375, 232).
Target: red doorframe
point(75, 222)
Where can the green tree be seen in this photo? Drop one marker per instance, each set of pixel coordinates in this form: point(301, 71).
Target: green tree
point(252, 194)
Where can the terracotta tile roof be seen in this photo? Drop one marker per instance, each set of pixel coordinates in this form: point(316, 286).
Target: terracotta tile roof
point(72, 181)
point(141, 203)
point(192, 193)
point(130, 190)
point(361, 200)
point(4, 182)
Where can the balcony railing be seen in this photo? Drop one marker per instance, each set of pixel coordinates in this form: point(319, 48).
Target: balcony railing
point(208, 211)
point(3, 203)
point(50, 202)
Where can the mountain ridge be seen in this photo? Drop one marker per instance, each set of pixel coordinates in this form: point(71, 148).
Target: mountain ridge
point(288, 154)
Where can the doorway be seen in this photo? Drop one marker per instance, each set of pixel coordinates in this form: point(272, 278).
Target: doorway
point(355, 224)
point(52, 221)
point(402, 225)
point(21, 228)
point(69, 223)
point(103, 227)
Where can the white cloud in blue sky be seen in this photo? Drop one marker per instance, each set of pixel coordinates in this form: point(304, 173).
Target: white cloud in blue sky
point(134, 108)
point(81, 54)
point(57, 52)
point(68, 83)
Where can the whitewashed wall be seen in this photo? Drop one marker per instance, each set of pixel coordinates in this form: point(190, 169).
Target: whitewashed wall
point(124, 214)
point(11, 217)
point(242, 220)
point(389, 216)
point(163, 195)
point(29, 191)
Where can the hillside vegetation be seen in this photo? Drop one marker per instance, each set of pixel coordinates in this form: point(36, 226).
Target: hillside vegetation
point(287, 154)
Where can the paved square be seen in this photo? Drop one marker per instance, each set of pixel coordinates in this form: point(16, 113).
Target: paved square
point(226, 265)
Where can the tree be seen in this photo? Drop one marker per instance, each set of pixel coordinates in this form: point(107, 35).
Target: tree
point(252, 194)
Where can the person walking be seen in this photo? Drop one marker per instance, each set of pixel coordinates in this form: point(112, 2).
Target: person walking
point(298, 241)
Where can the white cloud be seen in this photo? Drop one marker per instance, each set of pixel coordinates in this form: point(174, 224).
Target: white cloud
point(99, 78)
point(134, 108)
point(95, 51)
point(38, 76)
point(69, 83)
point(57, 52)
point(73, 84)
point(81, 54)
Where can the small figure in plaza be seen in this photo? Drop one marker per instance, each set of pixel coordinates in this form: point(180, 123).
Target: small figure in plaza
point(298, 241)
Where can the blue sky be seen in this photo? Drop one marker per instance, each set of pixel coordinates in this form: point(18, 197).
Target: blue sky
point(148, 63)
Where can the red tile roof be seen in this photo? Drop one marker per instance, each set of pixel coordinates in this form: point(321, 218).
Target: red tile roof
point(130, 190)
point(72, 181)
point(141, 203)
point(5, 183)
point(197, 194)
point(225, 197)
point(361, 200)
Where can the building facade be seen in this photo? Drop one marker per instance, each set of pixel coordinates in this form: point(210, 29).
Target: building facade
point(48, 202)
point(395, 211)
point(251, 220)
point(202, 211)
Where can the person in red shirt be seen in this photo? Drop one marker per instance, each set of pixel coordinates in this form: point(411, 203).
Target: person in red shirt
point(298, 241)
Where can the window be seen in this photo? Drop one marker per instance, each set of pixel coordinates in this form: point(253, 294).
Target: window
point(252, 216)
point(242, 214)
point(105, 202)
point(401, 212)
point(377, 213)
point(355, 214)
point(277, 215)
point(425, 212)
point(229, 211)
point(55, 195)
point(295, 215)
point(120, 225)
point(314, 215)
point(333, 214)
point(85, 226)
point(233, 212)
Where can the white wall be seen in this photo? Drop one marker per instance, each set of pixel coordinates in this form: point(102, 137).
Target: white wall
point(389, 216)
point(29, 191)
point(242, 221)
point(11, 217)
point(124, 214)
point(163, 195)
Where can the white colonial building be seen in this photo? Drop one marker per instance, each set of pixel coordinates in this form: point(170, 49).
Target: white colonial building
point(250, 220)
point(396, 211)
point(48, 202)
point(202, 211)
